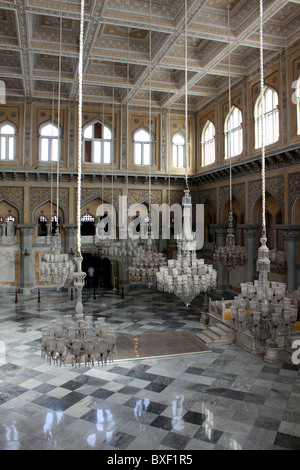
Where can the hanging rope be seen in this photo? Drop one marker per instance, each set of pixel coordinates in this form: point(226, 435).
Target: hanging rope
point(79, 162)
point(186, 99)
point(229, 114)
point(150, 103)
point(51, 179)
point(262, 124)
point(113, 146)
point(58, 118)
point(127, 124)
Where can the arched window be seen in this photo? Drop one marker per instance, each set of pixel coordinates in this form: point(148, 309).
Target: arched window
point(271, 118)
point(7, 141)
point(54, 223)
point(49, 150)
point(42, 226)
point(143, 150)
point(208, 144)
point(178, 146)
point(97, 143)
point(87, 224)
point(233, 130)
point(10, 221)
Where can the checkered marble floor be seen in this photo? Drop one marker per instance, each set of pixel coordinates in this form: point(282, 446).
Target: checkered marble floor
point(223, 399)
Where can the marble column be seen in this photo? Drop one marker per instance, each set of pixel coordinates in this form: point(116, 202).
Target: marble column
point(70, 238)
point(250, 240)
point(221, 233)
point(27, 282)
point(291, 238)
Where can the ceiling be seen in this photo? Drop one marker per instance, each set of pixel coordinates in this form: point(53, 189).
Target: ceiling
point(117, 36)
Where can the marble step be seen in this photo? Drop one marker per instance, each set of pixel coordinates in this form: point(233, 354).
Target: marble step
point(217, 334)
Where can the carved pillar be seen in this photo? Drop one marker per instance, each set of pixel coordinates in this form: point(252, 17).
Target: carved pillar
point(221, 233)
point(291, 238)
point(250, 237)
point(26, 262)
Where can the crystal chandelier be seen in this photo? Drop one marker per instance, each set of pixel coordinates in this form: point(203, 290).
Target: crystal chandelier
point(231, 254)
point(55, 267)
point(82, 341)
point(262, 308)
point(186, 276)
point(145, 264)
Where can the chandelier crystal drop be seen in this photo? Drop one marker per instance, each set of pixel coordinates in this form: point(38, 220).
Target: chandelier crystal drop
point(186, 276)
point(82, 341)
point(231, 254)
point(56, 267)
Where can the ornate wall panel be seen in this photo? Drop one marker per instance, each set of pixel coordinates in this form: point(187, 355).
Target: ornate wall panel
point(15, 196)
point(39, 196)
point(293, 194)
point(274, 186)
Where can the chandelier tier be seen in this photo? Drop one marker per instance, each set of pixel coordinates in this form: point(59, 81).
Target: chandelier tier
point(82, 341)
point(186, 276)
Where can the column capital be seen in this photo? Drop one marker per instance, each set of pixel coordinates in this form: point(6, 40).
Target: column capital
point(249, 230)
point(26, 227)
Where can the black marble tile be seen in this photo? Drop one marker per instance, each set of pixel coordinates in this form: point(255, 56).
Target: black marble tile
point(129, 390)
point(102, 394)
point(288, 441)
point(194, 417)
point(120, 440)
point(155, 387)
point(176, 441)
point(163, 422)
point(59, 404)
point(208, 434)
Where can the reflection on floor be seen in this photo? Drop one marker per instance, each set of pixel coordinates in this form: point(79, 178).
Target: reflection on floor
point(223, 399)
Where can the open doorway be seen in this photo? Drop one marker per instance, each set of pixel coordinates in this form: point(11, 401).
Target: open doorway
point(101, 271)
